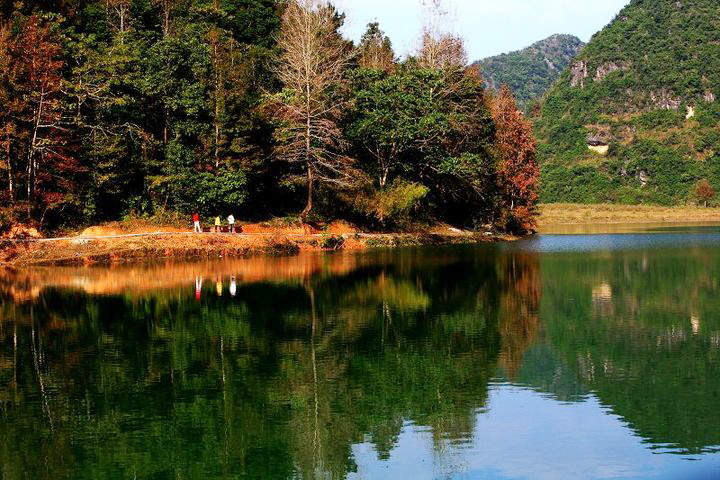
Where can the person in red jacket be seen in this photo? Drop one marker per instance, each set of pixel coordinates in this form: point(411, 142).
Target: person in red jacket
point(196, 222)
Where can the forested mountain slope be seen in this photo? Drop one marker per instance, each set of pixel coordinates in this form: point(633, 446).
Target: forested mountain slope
point(635, 117)
point(531, 71)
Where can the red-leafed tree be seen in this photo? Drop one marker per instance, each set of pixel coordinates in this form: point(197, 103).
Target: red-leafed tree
point(6, 125)
point(704, 192)
point(518, 171)
point(39, 131)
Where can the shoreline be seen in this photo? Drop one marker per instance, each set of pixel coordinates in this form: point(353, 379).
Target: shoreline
point(115, 244)
point(567, 214)
point(183, 245)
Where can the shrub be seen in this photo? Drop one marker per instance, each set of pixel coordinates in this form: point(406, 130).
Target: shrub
point(225, 191)
point(662, 119)
point(395, 204)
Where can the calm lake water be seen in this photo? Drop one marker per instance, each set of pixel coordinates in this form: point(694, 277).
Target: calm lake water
point(558, 357)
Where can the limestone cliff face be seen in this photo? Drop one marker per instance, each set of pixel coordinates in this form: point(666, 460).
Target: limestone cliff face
point(531, 71)
point(655, 54)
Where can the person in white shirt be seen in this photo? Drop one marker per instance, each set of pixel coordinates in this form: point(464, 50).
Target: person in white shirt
point(231, 223)
point(233, 286)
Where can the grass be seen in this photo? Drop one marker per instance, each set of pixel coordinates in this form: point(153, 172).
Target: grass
point(571, 213)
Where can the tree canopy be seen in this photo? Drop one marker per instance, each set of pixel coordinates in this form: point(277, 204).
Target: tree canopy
point(117, 107)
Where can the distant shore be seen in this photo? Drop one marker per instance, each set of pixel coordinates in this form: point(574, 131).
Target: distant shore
point(577, 214)
point(110, 245)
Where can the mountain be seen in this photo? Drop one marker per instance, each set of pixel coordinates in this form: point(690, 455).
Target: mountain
point(634, 119)
point(531, 71)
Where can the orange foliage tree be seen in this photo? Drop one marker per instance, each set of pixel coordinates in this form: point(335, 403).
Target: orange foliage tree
point(38, 128)
point(518, 171)
point(6, 124)
point(704, 192)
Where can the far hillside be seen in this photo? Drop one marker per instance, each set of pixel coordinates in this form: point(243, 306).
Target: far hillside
point(635, 117)
point(531, 71)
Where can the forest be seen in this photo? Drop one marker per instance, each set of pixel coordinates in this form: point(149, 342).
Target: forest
point(259, 108)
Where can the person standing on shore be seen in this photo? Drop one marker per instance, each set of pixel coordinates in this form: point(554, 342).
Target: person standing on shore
point(196, 223)
point(231, 223)
point(217, 224)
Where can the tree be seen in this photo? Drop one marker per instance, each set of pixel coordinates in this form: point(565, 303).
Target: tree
point(442, 51)
point(7, 128)
point(429, 127)
point(439, 47)
point(104, 87)
point(518, 170)
point(166, 10)
point(704, 192)
point(311, 69)
point(375, 50)
point(36, 55)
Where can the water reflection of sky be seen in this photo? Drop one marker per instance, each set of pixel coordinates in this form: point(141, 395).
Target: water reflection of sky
point(589, 243)
point(525, 435)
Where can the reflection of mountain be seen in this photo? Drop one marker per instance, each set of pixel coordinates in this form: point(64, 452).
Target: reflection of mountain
point(278, 381)
point(646, 350)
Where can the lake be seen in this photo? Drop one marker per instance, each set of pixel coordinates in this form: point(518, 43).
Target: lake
point(556, 357)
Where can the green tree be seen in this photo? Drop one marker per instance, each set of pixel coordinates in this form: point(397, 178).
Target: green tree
point(431, 127)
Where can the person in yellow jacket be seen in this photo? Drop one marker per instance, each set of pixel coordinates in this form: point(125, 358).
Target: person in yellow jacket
point(217, 224)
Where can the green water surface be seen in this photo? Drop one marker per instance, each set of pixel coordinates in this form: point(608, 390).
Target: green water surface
point(558, 357)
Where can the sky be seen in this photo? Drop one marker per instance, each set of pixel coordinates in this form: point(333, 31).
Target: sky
point(490, 27)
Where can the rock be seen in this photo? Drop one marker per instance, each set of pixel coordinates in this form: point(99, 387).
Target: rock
point(598, 139)
point(601, 150)
point(664, 99)
point(579, 72)
point(609, 67)
point(23, 231)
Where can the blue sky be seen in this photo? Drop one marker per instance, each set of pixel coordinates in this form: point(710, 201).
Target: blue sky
point(489, 27)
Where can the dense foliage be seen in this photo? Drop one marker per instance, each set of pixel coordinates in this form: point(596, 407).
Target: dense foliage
point(531, 71)
point(646, 85)
point(113, 107)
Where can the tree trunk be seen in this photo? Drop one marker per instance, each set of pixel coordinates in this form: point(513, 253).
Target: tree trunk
point(214, 40)
point(9, 171)
point(31, 166)
point(308, 155)
point(166, 20)
point(309, 204)
point(29, 184)
point(217, 143)
point(165, 124)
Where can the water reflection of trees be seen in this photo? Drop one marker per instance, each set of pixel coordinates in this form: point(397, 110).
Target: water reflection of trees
point(282, 379)
point(279, 381)
point(637, 329)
